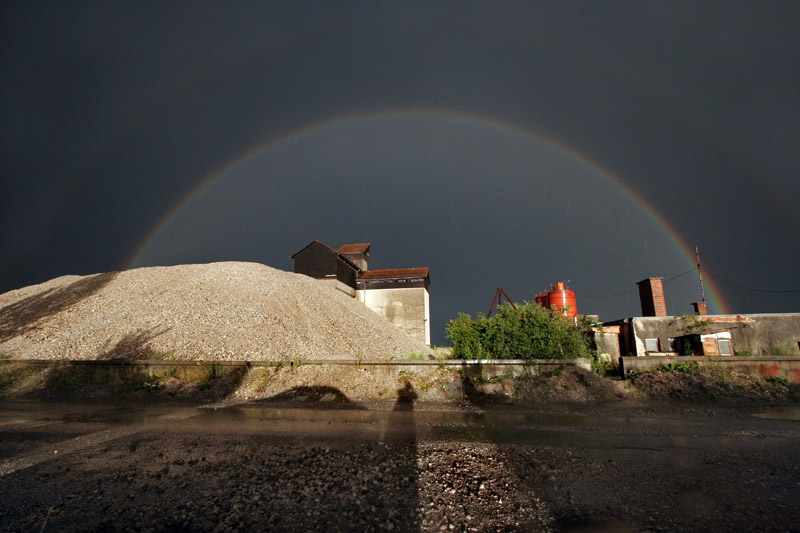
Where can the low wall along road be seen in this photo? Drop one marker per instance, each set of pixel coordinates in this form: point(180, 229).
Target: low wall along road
point(199, 369)
point(779, 366)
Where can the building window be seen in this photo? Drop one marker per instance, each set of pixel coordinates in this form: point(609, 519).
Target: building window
point(725, 347)
point(652, 345)
point(673, 346)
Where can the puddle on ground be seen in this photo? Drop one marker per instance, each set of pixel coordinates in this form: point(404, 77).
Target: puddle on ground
point(33, 413)
point(595, 525)
point(672, 457)
point(644, 439)
point(789, 412)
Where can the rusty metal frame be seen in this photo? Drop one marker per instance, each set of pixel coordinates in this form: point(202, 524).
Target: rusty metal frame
point(498, 297)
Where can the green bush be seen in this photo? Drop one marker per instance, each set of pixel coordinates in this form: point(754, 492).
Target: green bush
point(527, 332)
point(604, 367)
point(467, 336)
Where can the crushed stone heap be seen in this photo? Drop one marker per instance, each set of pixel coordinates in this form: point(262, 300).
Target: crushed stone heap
point(217, 311)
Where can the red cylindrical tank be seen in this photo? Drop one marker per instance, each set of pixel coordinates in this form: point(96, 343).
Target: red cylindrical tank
point(541, 299)
point(561, 297)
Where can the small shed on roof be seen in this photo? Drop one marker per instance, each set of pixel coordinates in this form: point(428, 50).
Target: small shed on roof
point(358, 254)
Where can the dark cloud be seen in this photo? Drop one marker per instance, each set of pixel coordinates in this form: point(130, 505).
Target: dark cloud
point(113, 112)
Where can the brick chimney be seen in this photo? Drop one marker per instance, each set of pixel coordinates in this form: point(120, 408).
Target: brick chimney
point(700, 308)
point(651, 294)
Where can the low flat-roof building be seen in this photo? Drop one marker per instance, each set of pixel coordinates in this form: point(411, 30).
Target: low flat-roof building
point(655, 333)
point(710, 335)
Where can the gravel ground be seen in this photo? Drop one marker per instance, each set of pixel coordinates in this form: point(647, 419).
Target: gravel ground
point(237, 480)
point(620, 467)
point(218, 311)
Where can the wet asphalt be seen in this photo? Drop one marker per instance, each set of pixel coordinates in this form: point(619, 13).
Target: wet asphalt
point(402, 466)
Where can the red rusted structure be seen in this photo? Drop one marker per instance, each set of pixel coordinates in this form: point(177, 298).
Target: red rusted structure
point(498, 297)
point(559, 297)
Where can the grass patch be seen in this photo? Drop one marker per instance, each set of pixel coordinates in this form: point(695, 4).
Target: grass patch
point(67, 380)
point(294, 362)
point(158, 355)
point(783, 349)
point(440, 379)
point(480, 379)
point(442, 353)
point(683, 368)
point(258, 380)
point(19, 379)
point(553, 373)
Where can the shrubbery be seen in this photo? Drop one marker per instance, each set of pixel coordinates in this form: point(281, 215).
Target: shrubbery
point(527, 332)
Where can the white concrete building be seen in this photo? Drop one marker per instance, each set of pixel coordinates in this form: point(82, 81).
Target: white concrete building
point(399, 295)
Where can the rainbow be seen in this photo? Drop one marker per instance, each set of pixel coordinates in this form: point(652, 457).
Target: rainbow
point(259, 148)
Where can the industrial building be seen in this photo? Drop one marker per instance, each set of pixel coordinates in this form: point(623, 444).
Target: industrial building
point(656, 333)
point(400, 295)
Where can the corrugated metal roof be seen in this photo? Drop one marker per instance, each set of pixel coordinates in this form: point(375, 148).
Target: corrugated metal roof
point(394, 273)
point(354, 248)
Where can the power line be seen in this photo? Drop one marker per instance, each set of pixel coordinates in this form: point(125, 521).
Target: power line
point(772, 291)
point(608, 295)
point(694, 269)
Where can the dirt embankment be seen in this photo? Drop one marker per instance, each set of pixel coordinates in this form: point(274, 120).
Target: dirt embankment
point(568, 384)
point(715, 386)
point(345, 384)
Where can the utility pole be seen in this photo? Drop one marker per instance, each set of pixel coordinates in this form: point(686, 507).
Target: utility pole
point(700, 273)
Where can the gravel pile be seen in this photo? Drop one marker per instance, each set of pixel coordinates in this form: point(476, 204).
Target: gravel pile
point(219, 311)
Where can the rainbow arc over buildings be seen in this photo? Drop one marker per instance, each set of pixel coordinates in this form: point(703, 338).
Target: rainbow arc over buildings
point(686, 251)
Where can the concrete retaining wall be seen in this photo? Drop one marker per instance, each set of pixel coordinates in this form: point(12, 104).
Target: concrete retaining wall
point(784, 367)
point(197, 370)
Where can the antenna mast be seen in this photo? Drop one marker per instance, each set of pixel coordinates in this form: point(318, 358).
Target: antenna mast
point(700, 273)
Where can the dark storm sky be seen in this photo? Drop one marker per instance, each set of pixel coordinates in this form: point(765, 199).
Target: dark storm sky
point(509, 144)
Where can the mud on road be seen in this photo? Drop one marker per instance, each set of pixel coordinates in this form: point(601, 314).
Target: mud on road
point(405, 466)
